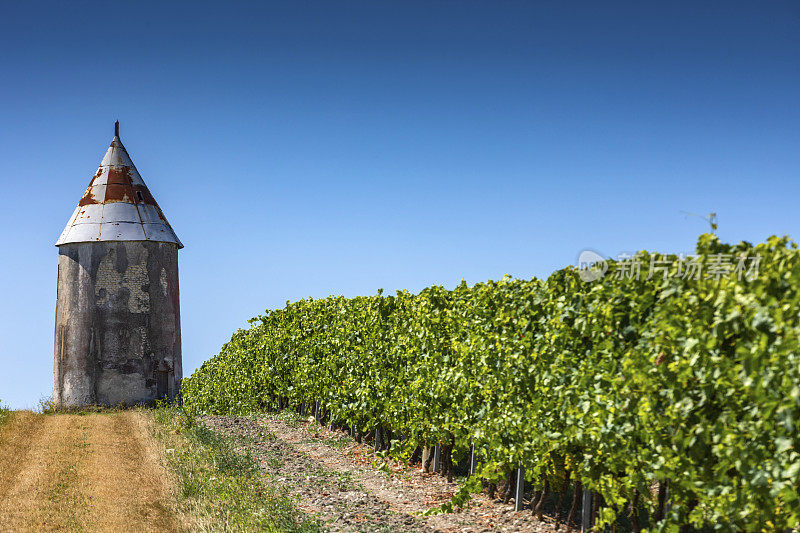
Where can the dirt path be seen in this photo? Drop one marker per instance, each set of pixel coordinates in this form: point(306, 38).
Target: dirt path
point(350, 490)
point(91, 472)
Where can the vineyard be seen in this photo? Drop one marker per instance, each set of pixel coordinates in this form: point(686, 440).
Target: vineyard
point(674, 398)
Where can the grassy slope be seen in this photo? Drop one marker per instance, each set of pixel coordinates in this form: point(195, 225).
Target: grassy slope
point(218, 488)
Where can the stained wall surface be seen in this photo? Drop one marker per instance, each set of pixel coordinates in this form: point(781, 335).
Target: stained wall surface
point(117, 338)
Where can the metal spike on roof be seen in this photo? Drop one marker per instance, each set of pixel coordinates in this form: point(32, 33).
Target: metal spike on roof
point(117, 205)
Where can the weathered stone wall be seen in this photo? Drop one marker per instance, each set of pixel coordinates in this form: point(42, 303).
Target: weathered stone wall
point(118, 336)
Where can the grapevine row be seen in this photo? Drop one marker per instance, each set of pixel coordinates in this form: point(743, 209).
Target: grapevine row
point(617, 386)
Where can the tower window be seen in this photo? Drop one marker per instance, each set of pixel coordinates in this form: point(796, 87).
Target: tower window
point(139, 195)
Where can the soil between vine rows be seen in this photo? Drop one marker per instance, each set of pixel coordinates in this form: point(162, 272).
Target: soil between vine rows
point(351, 489)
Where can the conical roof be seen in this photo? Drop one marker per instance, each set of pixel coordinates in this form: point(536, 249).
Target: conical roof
point(117, 205)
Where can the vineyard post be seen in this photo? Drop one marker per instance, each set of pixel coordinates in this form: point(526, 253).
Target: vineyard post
point(662, 498)
point(520, 491)
point(667, 503)
point(586, 512)
point(437, 457)
point(377, 438)
point(472, 461)
point(316, 411)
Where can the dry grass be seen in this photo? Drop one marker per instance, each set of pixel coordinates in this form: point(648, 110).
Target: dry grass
point(122, 479)
point(75, 472)
point(39, 457)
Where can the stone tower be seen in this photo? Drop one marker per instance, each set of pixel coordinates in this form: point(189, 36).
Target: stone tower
point(118, 327)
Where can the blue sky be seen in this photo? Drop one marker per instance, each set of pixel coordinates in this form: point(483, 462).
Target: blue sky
point(311, 148)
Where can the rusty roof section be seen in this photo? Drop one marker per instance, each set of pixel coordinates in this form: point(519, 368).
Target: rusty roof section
point(117, 205)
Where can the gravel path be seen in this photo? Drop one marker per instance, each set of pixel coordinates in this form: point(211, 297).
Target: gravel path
point(351, 489)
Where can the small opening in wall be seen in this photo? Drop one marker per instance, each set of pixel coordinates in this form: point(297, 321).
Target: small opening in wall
point(162, 384)
point(139, 195)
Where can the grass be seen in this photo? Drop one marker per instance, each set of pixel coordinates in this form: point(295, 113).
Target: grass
point(47, 406)
point(5, 414)
point(345, 481)
point(220, 489)
point(83, 472)
point(291, 417)
point(339, 441)
point(66, 496)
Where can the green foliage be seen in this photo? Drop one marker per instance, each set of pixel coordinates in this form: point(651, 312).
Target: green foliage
point(623, 382)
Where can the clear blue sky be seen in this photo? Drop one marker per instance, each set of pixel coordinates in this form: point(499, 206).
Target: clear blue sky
point(312, 148)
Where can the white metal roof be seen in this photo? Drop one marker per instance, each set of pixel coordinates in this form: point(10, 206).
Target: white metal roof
point(117, 205)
